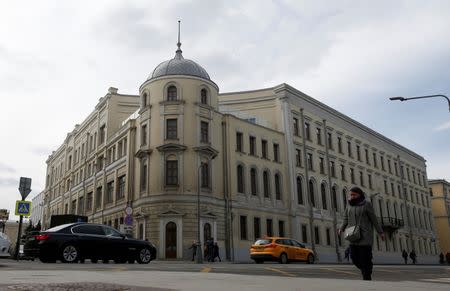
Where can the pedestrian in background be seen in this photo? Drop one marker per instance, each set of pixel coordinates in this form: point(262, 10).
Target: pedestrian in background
point(405, 256)
point(447, 256)
point(441, 258)
point(413, 256)
point(216, 252)
point(347, 254)
point(210, 245)
point(194, 249)
point(359, 222)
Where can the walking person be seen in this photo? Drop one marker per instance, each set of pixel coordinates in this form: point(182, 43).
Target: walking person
point(447, 257)
point(405, 256)
point(216, 252)
point(194, 249)
point(359, 222)
point(413, 256)
point(347, 254)
point(441, 258)
point(210, 246)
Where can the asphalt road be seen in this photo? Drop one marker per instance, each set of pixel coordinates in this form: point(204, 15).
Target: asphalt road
point(388, 273)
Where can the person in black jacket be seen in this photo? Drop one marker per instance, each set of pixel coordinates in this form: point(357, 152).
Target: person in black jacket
point(405, 256)
point(216, 252)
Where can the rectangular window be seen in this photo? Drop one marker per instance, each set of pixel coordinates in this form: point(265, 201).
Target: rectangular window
point(392, 189)
point(369, 177)
point(385, 187)
point(81, 205)
point(330, 141)
point(361, 179)
point(109, 191)
point(298, 158)
point(396, 169)
point(102, 133)
point(239, 142)
point(243, 224)
point(352, 175)
point(266, 184)
point(281, 228)
point(343, 173)
point(304, 234)
point(277, 187)
point(144, 174)
point(121, 187)
point(367, 156)
point(333, 169)
point(296, 129)
point(316, 235)
point(319, 136)
point(253, 182)
point(382, 163)
point(171, 129)
point(375, 160)
point(269, 227)
point(328, 237)
point(98, 197)
point(307, 131)
point(339, 139)
point(264, 149)
point(358, 152)
point(252, 141)
point(89, 201)
point(204, 132)
point(321, 165)
point(414, 176)
point(73, 207)
point(349, 149)
point(205, 175)
point(310, 162)
point(407, 174)
point(256, 228)
point(144, 134)
point(172, 173)
point(389, 166)
point(276, 152)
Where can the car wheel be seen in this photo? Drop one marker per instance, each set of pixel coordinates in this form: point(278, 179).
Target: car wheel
point(283, 258)
point(310, 259)
point(69, 254)
point(259, 261)
point(144, 256)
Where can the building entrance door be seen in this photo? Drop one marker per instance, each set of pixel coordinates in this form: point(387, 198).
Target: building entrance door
point(171, 240)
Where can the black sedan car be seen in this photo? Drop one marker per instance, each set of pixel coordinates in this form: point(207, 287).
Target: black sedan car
point(75, 242)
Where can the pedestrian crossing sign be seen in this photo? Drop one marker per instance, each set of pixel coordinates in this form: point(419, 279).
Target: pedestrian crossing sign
point(23, 208)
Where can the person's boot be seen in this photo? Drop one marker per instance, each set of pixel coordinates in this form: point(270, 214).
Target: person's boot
point(367, 277)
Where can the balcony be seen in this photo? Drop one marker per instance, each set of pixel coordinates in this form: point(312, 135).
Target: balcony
point(390, 224)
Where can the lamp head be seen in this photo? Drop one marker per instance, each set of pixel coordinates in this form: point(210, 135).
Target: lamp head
point(397, 98)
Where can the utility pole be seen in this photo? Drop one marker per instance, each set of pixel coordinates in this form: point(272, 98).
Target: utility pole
point(24, 189)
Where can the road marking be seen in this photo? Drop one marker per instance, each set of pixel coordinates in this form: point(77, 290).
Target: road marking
point(205, 270)
point(340, 271)
point(438, 280)
point(280, 271)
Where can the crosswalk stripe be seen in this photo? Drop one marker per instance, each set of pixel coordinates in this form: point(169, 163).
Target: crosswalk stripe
point(281, 272)
point(205, 270)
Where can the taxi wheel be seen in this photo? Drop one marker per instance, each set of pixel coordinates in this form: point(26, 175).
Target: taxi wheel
point(310, 259)
point(259, 261)
point(283, 258)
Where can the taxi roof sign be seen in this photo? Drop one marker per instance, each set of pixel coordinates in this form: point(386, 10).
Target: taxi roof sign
point(23, 208)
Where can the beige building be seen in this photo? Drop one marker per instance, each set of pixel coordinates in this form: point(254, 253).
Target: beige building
point(258, 170)
point(440, 202)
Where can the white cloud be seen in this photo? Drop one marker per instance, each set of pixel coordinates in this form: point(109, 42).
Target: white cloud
point(444, 126)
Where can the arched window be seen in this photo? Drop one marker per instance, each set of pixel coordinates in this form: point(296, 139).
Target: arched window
point(144, 100)
point(171, 93)
point(334, 198)
point(323, 191)
point(240, 179)
point(312, 199)
point(266, 184)
point(204, 96)
point(344, 199)
point(205, 175)
point(171, 171)
point(299, 191)
point(277, 187)
point(253, 182)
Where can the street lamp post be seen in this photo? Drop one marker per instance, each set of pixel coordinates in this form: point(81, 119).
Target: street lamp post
point(422, 97)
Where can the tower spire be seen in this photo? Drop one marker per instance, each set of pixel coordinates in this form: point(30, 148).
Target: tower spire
point(179, 43)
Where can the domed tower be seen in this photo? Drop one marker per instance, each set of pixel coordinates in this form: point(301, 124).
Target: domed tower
point(178, 139)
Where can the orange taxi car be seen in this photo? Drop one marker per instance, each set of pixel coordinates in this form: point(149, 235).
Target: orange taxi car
point(280, 249)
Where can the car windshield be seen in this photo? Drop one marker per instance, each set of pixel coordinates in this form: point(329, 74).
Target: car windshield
point(58, 228)
point(262, 242)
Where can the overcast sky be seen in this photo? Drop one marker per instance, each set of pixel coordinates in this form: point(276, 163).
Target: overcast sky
point(57, 58)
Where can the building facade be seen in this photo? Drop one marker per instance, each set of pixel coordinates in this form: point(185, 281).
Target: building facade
point(37, 208)
point(440, 201)
point(265, 162)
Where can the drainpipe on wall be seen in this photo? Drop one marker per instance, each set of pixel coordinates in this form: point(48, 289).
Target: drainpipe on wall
point(333, 205)
point(226, 191)
point(310, 208)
